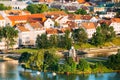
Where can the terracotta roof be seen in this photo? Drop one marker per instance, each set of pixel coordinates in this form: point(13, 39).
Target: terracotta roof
point(86, 17)
point(36, 25)
point(55, 13)
point(115, 20)
point(17, 12)
point(25, 17)
point(81, 1)
point(108, 22)
point(51, 31)
point(1, 17)
point(78, 17)
point(89, 25)
point(71, 24)
point(22, 28)
point(62, 30)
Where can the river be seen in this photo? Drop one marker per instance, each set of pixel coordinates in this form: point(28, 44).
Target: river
point(12, 71)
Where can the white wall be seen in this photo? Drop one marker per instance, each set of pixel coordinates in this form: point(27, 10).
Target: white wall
point(49, 23)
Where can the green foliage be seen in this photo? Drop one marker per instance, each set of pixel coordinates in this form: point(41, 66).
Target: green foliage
point(98, 37)
point(24, 57)
point(2, 7)
point(80, 36)
point(57, 24)
point(104, 33)
point(9, 34)
point(114, 61)
point(37, 8)
point(81, 11)
point(68, 66)
point(42, 41)
point(32, 60)
point(99, 67)
point(83, 65)
point(53, 40)
point(50, 61)
point(65, 41)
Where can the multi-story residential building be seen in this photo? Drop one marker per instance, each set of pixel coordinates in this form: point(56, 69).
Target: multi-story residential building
point(99, 9)
point(2, 21)
point(89, 27)
point(13, 20)
point(29, 32)
point(16, 5)
point(48, 23)
point(115, 22)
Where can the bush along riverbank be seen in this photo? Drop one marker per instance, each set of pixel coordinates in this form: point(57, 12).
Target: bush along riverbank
point(49, 61)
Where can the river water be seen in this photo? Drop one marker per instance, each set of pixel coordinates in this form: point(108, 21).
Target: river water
point(12, 71)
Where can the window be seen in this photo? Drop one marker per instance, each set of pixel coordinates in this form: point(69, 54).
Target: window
point(50, 24)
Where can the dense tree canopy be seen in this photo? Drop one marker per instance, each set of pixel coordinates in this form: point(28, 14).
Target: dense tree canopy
point(83, 65)
point(114, 61)
point(104, 33)
point(9, 34)
point(81, 11)
point(37, 8)
point(3, 7)
point(42, 41)
point(80, 36)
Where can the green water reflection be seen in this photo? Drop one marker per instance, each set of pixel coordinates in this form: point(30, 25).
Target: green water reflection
point(12, 71)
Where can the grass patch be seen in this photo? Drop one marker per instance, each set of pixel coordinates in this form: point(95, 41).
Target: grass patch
point(94, 60)
point(25, 50)
point(83, 46)
point(116, 41)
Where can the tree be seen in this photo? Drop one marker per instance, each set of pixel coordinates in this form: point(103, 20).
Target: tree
point(81, 11)
point(68, 66)
point(33, 61)
point(98, 37)
point(68, 40)
point(80, 36)
point(2, 7)
point(104, 33)
point(53, 40)
point(9, 34)
point(37, 8)
point(42, 41)
point(114, 61)
point(83, 65)
point(65, 41)
point(24, 57)
point(50, 61)
point(57, 24)
point(108, 32)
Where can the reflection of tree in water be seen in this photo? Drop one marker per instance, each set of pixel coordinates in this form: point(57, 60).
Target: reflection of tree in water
point(27, 76)
point(66, 77)
point(97, 75)
point(83, 76)
point(114, 77)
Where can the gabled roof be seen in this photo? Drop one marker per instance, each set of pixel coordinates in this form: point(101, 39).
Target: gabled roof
point(25, 17)
point(36, 25)
point(1, 17)
point(108, 22)
point(88, 25)
point(51, 31)
point(115, 20)
point(71, 24)
point(55, 13)
point(22, 28)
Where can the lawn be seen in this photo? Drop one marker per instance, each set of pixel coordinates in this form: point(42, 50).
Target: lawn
point(116, 41)
point(25, 50)
point(96, 59)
